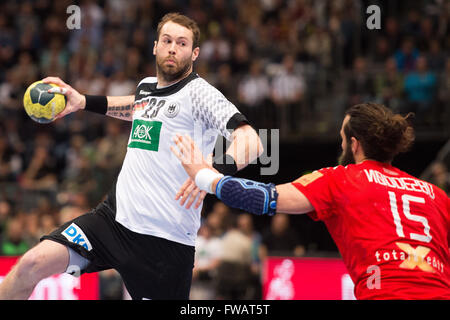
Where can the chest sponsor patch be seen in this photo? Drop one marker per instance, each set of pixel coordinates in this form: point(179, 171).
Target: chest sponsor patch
point(74, 234)
point(145, 135)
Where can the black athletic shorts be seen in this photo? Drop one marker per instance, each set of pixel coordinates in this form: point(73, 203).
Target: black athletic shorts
point(150, 267)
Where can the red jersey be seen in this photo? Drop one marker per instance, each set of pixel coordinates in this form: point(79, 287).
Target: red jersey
point(391, 228)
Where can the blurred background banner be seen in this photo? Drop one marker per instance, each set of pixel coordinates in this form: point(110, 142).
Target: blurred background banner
point(287, 278)
point(292, 65)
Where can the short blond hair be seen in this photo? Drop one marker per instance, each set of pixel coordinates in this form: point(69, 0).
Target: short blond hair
point(183, 21)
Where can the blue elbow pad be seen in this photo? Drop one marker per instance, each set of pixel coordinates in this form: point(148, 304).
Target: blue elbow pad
point(251, 196)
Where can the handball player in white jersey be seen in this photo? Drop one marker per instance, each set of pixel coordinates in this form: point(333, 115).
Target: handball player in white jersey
point(140, 229)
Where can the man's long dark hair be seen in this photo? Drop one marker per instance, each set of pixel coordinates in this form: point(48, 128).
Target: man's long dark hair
point(382, 133)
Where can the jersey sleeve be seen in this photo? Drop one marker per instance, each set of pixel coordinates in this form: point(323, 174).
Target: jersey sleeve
point(213, 110)
point(448, 222)
point(318, 187)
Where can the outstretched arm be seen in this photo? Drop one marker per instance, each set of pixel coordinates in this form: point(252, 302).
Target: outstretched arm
point(248, 195)
point(120, 107)
point(245, 147)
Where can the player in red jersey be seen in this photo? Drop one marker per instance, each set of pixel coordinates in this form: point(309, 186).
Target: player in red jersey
point(391, 228)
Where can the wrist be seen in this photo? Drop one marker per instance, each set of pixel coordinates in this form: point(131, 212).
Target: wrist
point(205, 178)
point(83, 102)
point(97, 104)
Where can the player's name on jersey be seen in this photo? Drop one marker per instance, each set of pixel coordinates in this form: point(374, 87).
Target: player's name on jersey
point(400, 183)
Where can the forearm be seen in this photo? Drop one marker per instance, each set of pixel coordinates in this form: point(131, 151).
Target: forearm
point(259, 198)
point(251, 196)
point(120, 107)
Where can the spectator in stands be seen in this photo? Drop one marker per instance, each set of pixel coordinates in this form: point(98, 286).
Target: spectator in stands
point(54, 59)
point(389, 85)
point(245, 225)
point(420, 89)
point(40, 174)
point(440, 176)
point(436, 58)
point(70, 212)
point(234, 275)
point(444, 95)
point(288, 90)
point(111, 150)
point(226, 83)
point(219, 219)
point(47, 223)
point(318, 45)
point(208, 254)
point(108, 65)
point(11, 92)
point(10, 161)
point(82, 59)
point(240, 57)
point(79, 171)
point(120, 85)
point(360, 87)
point(382, 52)
point(134, 64)
point(406, 56)
point(280, 239)
point(392, 32)
point(90, 82)
point(32, 227)
point(254, 93)
point(13, 243)
point(6, 211)
point(26, 70)
point(216, 49)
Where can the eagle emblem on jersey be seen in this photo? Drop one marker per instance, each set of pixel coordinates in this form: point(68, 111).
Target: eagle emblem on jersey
point(172, 109)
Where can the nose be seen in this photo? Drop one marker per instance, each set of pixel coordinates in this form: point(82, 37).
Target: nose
point(172, 50)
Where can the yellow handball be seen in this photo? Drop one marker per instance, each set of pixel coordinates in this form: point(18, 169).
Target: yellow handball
point(41, 105)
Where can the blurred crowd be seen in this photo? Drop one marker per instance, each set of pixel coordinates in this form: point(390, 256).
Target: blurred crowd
point(293, 64)
point(230, 250)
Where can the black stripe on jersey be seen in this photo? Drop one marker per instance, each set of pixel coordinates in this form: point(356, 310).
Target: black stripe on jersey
point(163, 92)
point(236, 120)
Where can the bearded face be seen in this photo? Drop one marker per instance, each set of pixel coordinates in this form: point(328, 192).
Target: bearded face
point(171, 68)
point(346, 156)
point(175, 53)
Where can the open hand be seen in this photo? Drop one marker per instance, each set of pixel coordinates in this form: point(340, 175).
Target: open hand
point(192, 160)
point(75, 100)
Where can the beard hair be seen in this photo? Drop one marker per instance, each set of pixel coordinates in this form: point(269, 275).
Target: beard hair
point(173, 74)
point(346, 156)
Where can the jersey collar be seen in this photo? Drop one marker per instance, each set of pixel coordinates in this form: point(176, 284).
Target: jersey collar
point(166, 91)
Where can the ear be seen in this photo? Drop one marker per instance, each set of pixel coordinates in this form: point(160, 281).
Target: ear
point(355, 145)
point(154, 47)
point(195, 53)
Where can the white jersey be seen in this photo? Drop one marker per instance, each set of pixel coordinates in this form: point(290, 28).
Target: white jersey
point(151, 175)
